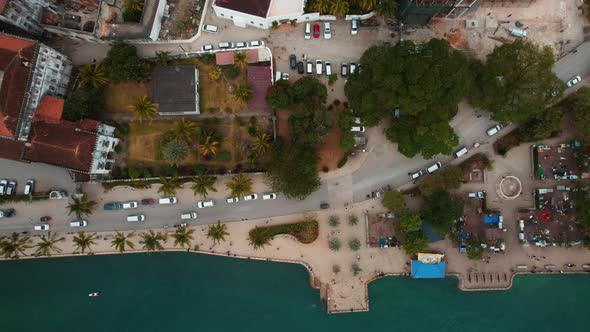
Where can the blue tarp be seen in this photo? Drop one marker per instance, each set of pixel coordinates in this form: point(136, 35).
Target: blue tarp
point(421, 270)
point(491, 219)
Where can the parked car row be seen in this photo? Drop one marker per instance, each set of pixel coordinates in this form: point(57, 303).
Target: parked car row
point(9, 187)
point(233, 45)
point(327, 30)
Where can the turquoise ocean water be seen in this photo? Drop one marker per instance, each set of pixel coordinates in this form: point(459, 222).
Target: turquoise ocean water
point(188, 292)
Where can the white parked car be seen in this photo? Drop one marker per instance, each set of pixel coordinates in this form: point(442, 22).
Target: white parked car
point(309, 67)
point(29, 187)
point(318, 67)
point(232, 200)
point(269, 196)
point(434, 167)
point(3, 185)
point(130, 205)
point(79, 223)
point(205, 204)
point(355, 27)
point(207, 48)
point(241, 45)
point(494, 130)
point(360, 129)
point(327, 31)
point(357, 120)
point(285, 76)
point(352, 67)
point(11, 188)
point(210, 28)
point(42, 227)
point(573, 81)
point(328, 68)
point(167, 200)
point(251, 197)
point(416, 175)
point(136, 218)
point(188, 216)
point(307, 31)
point(256, 43)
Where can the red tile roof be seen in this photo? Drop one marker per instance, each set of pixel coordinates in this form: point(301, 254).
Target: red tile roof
point(253, 7)
point(15, 53)
point(10, 149)
point(62, 144)
point(259, 78)
point(49, 109)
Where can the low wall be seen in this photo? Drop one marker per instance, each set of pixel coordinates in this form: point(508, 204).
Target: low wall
point(359, 17)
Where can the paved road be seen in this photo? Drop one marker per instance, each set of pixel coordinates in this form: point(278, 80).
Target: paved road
point(383, 164)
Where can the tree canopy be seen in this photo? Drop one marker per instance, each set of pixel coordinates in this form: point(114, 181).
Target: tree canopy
point(425, 81)
point(440, 210)
point(85, 102)
point(394, 201)
point(123, 65)
point(580, 105)
point(447, 178)
point(410, 222)
point(517, 81)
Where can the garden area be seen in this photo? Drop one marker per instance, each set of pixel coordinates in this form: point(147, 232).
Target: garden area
point(305, 231)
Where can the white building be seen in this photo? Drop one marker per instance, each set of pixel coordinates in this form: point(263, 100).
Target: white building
point(25, 14)
point(262, 13)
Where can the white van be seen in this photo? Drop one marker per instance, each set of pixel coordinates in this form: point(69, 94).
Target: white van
point(307, 31)
point(328, 68)
point(167, 200)
point(188, 215)
point(461, 152)
point(79, 223)
point(434, 167)
point(318, 67)
point(210, 28)
point(42, 227)
point(136, 218)
point(225, 45)
point(205, 204)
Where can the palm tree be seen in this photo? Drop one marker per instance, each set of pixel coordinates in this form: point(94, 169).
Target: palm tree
point(93, 75)
point(48, 244)
point(183, 130)
point(261, 143)
point(14, 246)
point(152, 241)
point(322, 6)
point(240, 185)
point(243, 93)
point(258, 237)
point(240, 60)
point(183, 237)
point(133, 5)
point(367, 5)
point(339, 8)
point(215, 73)
point(386, 8)
point(143, 109)
point(169, 186)
point(121, 241)
point(217, 232)
point(208, 147)
point(162, 58)
point(175, 151)
point(82, 206)
point(83, 241)
point(202, 184)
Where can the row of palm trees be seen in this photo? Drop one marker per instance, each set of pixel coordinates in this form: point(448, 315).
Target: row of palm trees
point(16, 245)
point(383, 8)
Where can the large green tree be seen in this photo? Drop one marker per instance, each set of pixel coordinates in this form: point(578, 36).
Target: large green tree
point(415, 242)
point(82, 206)
point(410, 222)
point(123, 65)
point(310, 124)
point(293, 170)
point(394, 201)
point(542, 125)
point(280, 95)
point(440, 210)
point(85, 102)
point(447, 178)
point(516, 81)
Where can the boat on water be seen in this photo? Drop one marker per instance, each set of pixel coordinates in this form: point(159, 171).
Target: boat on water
point(95, 294)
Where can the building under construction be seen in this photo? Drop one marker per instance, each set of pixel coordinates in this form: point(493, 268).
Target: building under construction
point(420, 12)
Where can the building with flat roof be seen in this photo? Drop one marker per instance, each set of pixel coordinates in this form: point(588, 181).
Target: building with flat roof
point(175, 89)
point(100, 20)
point(261, 13)
point(33, 82)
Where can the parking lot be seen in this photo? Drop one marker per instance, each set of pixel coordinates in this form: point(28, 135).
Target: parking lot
point(46, 177)
point(556, 162)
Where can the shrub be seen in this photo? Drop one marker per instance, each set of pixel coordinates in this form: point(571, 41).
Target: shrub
point(334, 244)
point(353, 220)
point(172, 170)
point(330, 107)
point(342, 161)
point(232, 72)
point(133, 172)
point(332, 79)
point(336, 268)
point(238, 121)
point(354, 244)
point(253, 120)
point(208, 58)
point(346, 141)
point(355, 269)
point(224, 156)
point(325, 169)
point(123, 128)
point(334, 221)
point(117, 148)
point(336, 102)
point(252, 130)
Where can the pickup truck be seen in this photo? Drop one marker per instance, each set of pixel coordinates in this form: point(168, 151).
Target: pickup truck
point(113, 206)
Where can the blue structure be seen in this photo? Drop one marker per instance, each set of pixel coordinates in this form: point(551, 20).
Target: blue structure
point(491, 219)
point(428, 271)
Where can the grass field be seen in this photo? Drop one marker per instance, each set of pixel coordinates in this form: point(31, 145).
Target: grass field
point(119, 96)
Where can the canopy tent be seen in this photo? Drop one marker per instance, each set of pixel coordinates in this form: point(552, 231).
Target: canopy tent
point(428, 271)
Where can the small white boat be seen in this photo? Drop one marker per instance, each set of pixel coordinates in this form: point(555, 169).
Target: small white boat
point(95, 294)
